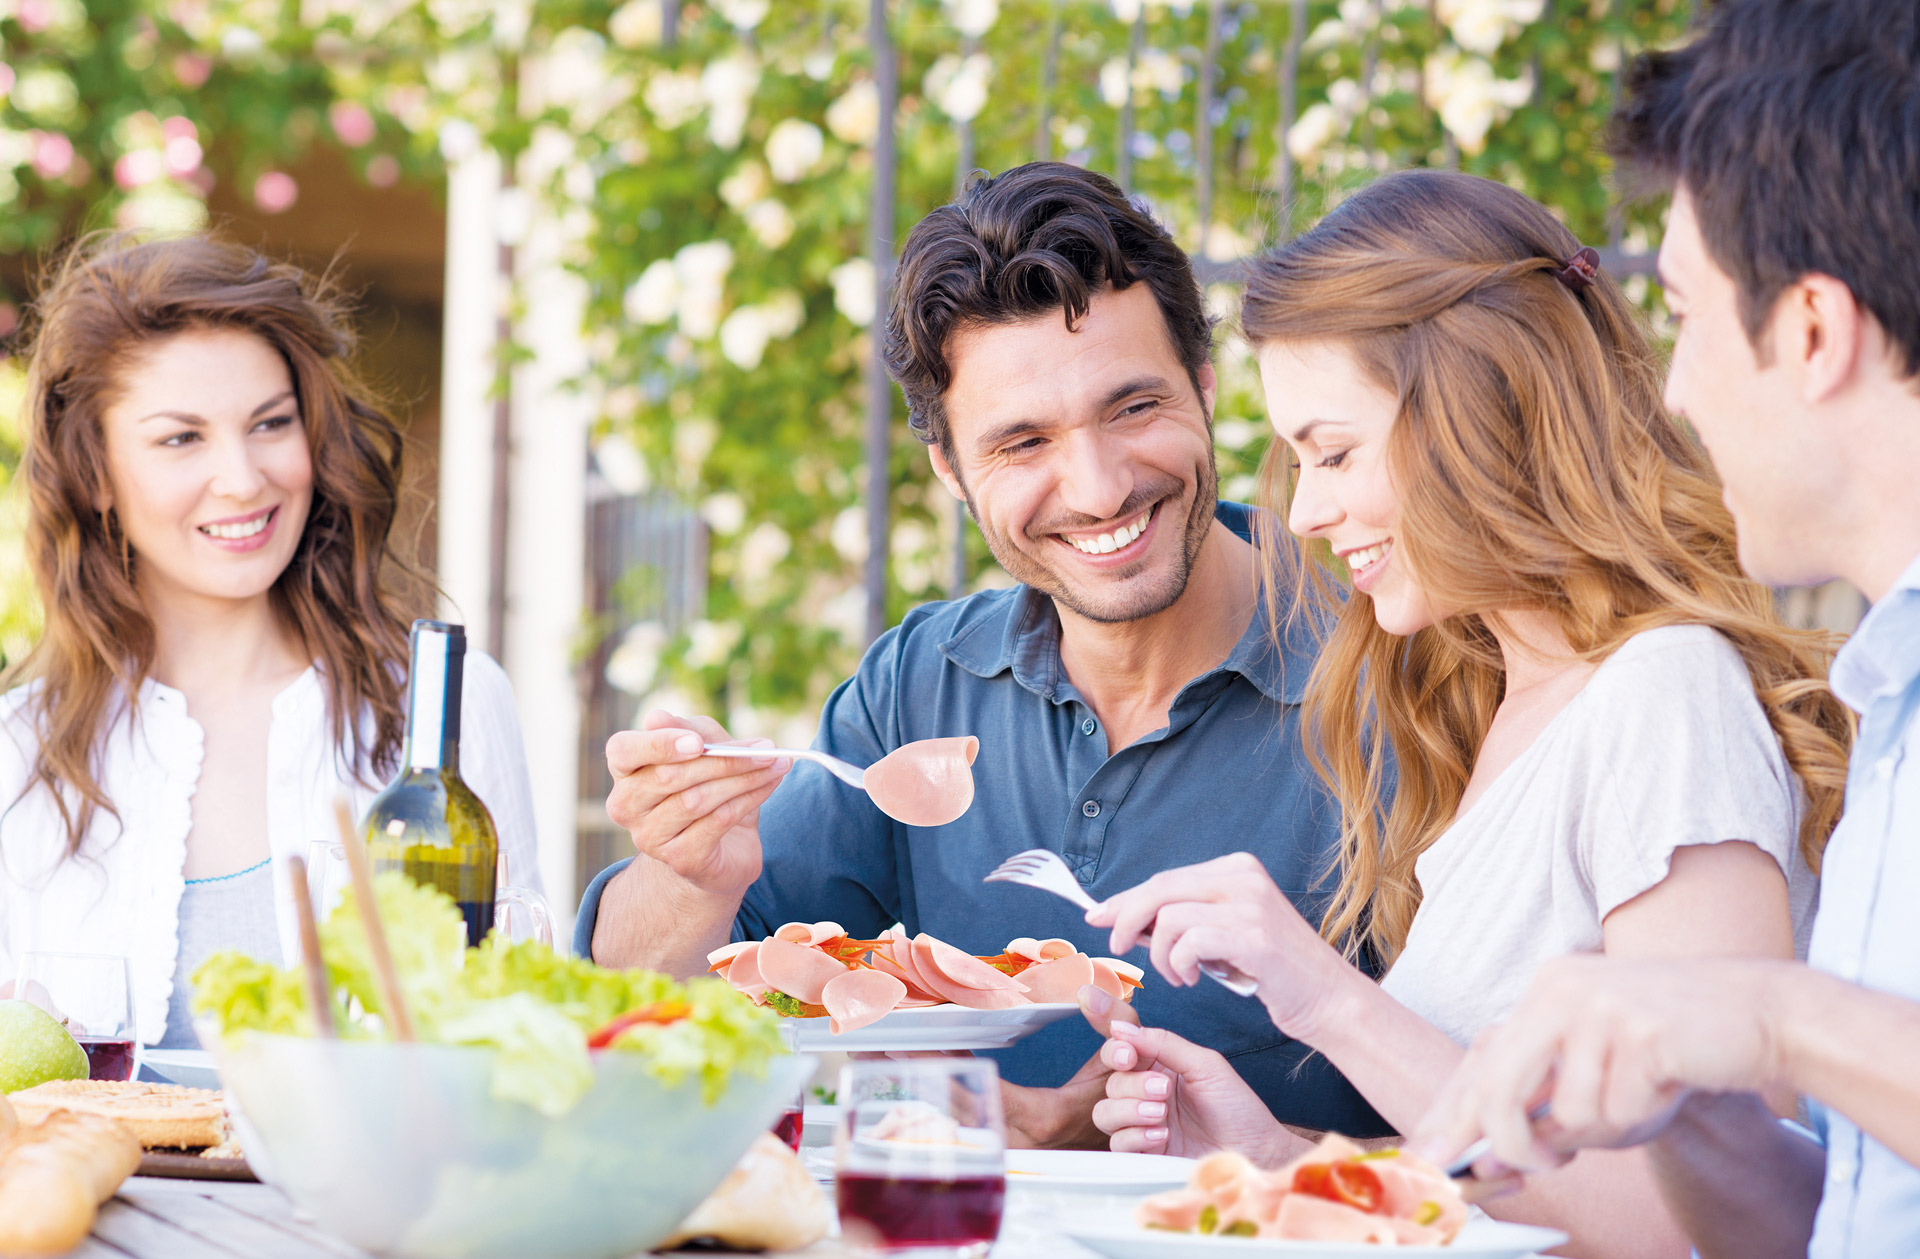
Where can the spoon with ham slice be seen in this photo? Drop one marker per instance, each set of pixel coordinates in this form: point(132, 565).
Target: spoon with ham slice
point(928, 782)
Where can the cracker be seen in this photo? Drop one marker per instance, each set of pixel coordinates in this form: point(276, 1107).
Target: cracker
point(162, 1116)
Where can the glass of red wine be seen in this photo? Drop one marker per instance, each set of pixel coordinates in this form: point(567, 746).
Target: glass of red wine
point(792, 1122)
point(92, 995)
point(920, 1156)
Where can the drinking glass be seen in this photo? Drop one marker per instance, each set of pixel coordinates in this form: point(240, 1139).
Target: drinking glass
point(92, 993)
point(329, 880)
point(792, 1122)
point(921, 1156)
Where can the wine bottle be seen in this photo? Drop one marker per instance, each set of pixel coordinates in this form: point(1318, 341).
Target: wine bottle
point(427, 822)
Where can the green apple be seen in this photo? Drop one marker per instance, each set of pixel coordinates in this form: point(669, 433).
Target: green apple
point(34, 1048)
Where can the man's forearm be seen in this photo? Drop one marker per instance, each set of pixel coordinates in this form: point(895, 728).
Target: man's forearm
point(1740, 1185)
point(1853, 1050)
point(651, 917)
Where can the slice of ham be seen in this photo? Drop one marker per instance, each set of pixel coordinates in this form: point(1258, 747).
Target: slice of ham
point(1041, 950)
point(1303, 1217)
point(964, 979)
point(1106, 978)
point(859, 997)
point(795, 969)
point(928, 782)
point(743, 972)
point(727, 952)
point(1058, 980)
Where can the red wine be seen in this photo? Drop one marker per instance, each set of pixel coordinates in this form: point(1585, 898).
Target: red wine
point(914, 1212)
point(788, 1127)
point(108, 1058)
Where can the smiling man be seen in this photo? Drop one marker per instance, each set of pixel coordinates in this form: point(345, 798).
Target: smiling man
point(1134, 713)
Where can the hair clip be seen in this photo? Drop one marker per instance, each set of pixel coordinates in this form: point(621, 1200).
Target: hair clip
point(1581, 270)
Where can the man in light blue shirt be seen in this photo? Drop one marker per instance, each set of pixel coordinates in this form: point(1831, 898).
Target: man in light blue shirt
point(1790, 134)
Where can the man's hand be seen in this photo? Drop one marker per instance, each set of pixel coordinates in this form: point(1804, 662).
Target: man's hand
point(1228, 910)
point(1062, 1118)
point(695, 825)
point(1613, 1048)
point(1168, 1095)
point(699, 816)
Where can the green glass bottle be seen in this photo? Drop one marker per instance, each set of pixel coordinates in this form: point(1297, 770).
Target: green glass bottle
point(428, 822)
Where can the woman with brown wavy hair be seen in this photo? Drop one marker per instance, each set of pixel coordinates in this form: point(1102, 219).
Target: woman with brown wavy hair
point(209, 497)
point(1557, 716)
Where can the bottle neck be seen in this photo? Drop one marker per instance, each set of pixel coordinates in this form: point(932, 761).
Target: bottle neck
point(433, 701)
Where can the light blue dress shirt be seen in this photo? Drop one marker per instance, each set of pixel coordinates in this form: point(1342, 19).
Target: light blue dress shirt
point(1868, 928)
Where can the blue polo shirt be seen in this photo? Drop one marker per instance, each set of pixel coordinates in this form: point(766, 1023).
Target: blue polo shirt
point(1227, 774)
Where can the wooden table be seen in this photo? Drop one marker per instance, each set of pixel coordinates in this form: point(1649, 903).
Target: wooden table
point(211, 1219)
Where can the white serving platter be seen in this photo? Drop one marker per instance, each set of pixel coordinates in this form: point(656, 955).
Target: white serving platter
point(1482, 1238)
point(190, 1067)
point(930, 1028)
point(1096, 1171)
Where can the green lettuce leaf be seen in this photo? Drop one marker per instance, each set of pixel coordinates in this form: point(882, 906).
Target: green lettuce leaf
point(541, 1055)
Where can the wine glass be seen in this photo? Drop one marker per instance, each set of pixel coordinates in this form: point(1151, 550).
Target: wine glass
point(921, 1156)
point(91, 993)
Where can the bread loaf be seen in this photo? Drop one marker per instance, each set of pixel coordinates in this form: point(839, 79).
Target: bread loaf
point(8, 1120)
point(767, 1202)
point(53, 1178)
point(162, 1116)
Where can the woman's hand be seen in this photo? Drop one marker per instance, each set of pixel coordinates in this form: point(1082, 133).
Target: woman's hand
point(1228, 910)
point(1170, 1096)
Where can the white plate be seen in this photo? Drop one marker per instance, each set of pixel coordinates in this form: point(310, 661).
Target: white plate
point(1480, 1239)
point(192, 1067)
point(1096, 1171)
point(932, 1027)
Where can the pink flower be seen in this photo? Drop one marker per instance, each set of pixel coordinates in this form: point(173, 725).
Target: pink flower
point(52, 154)
point(275, 192)
point(191, 69)
point(182, 156)
point(138, 168)
point(33, 15)
point(352, 123)
point(383, 171)
point(179, 127)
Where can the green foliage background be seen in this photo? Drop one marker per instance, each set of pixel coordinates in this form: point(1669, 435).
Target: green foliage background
point(618, 119)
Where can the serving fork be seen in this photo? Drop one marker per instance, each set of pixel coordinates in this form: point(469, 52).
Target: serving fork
point(1042, 868)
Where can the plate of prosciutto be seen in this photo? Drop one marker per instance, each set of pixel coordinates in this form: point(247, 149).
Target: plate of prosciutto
point(901, 992)
point(1335, 1200)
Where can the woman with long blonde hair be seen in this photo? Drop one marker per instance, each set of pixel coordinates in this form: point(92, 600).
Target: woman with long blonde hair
point(1557, 716)
point(210, 493)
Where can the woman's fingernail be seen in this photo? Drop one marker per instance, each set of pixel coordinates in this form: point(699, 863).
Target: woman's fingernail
point(687, 744)
point(1155, 1134)
point(1125, 1031)
point(1153, 1110)
point(782, 764)
point(1158, 1086)
point(1124, 1055)
point(1095, 1000)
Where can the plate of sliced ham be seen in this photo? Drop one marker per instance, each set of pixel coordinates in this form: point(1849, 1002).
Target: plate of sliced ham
point(1336, 1199)
point(901, 992)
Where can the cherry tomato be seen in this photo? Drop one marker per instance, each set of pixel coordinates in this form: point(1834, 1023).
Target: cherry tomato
point(1353, 1184)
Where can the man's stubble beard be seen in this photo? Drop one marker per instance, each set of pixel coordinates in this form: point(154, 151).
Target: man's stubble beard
point(1029, 571)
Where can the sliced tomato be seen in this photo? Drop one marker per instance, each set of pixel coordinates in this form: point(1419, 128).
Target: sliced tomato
point(656, 1012)
point(1348, 1182)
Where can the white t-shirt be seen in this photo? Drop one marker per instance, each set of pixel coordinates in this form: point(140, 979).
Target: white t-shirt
point(1664, 747)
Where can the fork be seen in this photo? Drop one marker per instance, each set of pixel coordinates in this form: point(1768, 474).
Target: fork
point(852, 775)
point(1042, 868)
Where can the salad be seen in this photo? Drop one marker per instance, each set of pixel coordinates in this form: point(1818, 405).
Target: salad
point(543, 1014)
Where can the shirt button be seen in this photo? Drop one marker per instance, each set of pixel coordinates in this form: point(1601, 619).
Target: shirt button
point(1089, 726)
point(1091, 808)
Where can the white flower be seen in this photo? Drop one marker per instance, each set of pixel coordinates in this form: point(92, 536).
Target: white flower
point(743, 337)
point(746, 185)
point(637, 24)
point(673, 98)
point(709, 643)
point(1234, 434)
point(846, 613)
point(1224, 244)
point(634, 665)
point(693, 440)
point(1345, 95)
point(742, 15)
point(623, 466)
point(459, 139)
point(702, 272)
point(761, 552)
point(849, 537)
point(915, 551)
point(794, 148)
point(853, 291)
point(974, 17)
point(1313, 131)
point(653, 297)
point(1469, 98)
point(1160, 71)
point(959, 85)
point(855, 117)
point(1127, 10)
point(1483, 25)
point(784, 312)
point(729, 83)
point(1113, 82)
point(770, 223)
point(725, 512)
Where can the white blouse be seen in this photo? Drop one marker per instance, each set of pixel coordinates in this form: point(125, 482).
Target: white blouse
point(121, 894)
